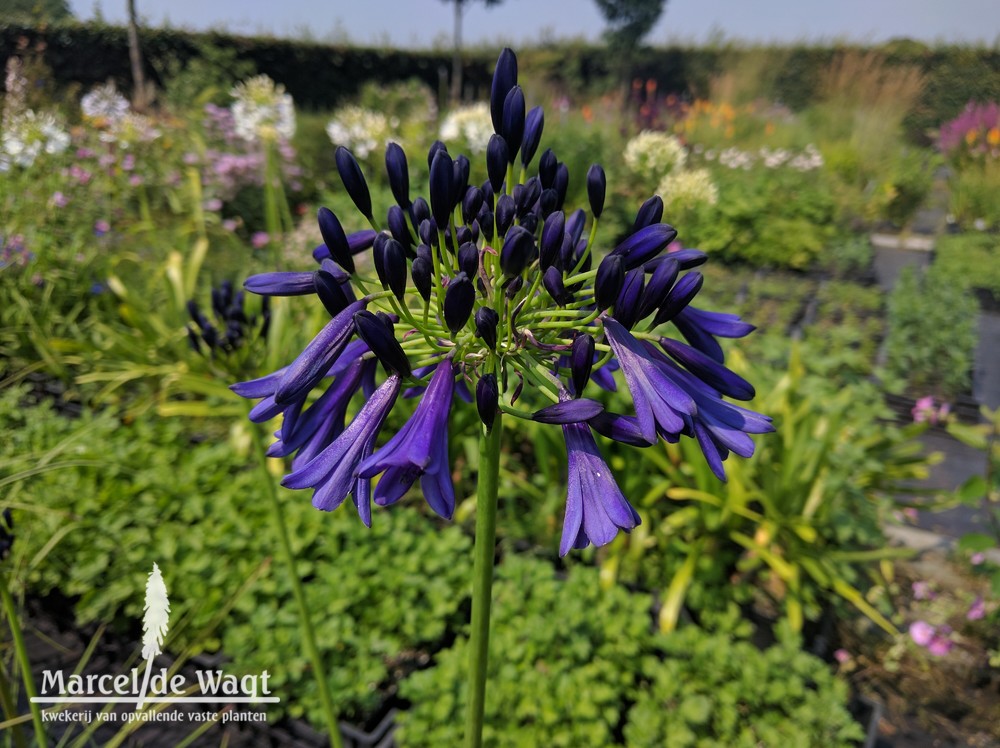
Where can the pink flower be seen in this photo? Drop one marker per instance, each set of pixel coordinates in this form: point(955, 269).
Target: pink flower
point(128, 163)
point(977, 558)
point(230, 224)
point(213, 204)
point(922, 591)
point(940, 646)
point(922, 633)
point(60, 200)
point(101, 227)
point(842, 656)
point(977, 610)
point(675, 246)
point(259, 239)
point(922, 409)
point(135, 180)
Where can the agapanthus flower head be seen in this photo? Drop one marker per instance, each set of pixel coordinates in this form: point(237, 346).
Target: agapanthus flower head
point(361, 130)
point(262, 110)
point(485, 282)
point(229, 325)
point(652, 155)
point(30, 134)
point(103, 105)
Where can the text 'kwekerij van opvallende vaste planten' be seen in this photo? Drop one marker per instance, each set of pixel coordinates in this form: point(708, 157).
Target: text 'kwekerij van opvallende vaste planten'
point(500, 294)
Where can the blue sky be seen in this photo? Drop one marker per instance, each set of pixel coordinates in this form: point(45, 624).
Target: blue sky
point(423, 23)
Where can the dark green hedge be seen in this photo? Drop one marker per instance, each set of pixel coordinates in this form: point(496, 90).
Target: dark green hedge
point(321, 75)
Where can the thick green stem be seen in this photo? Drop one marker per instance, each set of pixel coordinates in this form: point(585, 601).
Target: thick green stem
point(21, 653)
point(482, 579)
point(308, 635)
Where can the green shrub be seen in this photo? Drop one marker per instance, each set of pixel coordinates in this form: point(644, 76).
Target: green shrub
point(970, 259)
point(932, 335)
point(569, 660)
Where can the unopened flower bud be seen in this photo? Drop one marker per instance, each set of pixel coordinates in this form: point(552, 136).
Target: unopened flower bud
point(597, 185)
point(335, 239)
point(552, 239)
point(394, 267)
point(626, 309)
point(486, 326)
point(428, 230)
point(459, 298)
point(609, 281)
point(581, 361)
point(441, 182)
point(468, 259)
point(422, 272)
point(547, 165)
point(504, 79)
point(504, 218)
point(354, 181)
point(660, 281)
point(420, 211)
point(471, 204)
point(487, 399)
point(650, 213)
point(534, 122)
point(512, 127)
point(518, 247)
point(644, 245)
point(561, 183)
point(497, 158)
point(568, 411)
point(382, 342)
point(399, 175)
point(548, 202)
point(553, 282)
point(436, 147)
point(330, 292)
point(398, 226)
point(679, 297)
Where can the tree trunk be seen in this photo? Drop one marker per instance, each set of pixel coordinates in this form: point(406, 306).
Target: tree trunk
point(135, 57)
point(456, 60)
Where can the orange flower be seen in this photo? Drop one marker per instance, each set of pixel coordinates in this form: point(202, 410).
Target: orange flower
point(993, 136)
point(971, 137)
point(587, 112)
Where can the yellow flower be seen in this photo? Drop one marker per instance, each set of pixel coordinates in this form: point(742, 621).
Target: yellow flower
point(971, 137)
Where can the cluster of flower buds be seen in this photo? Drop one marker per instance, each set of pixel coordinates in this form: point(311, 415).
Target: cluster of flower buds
point(236, 325)
point(497, 288)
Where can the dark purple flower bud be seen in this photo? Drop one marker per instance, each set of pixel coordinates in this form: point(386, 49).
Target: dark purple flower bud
point(504, 79)
point(280, 284)
point(471, 204)
point(398, 226)
point(378, 258)
point(679, 297)
point(459, 298)
point(382, 342)
point(512, 127)
point(354, 181)
point(609, 281)
point(547, 202)
point(552, 239)
point(422, 273)
point(575, 224)
point(359, 241)
point(645, 244)
point(518, 248)
point(399, 174)
point(420, 211)
point(441, 185)
point(526, 195)
point(659, 285)
point(561, 184)
point(330, 292)
point(504, 218)
point(597, 186)
point(335, 239)
point(460, 179)
point(512, 286)
point(623, 429)
point(488, 193)
point(428, 231)
point(424, 251)
point(553, 282)
point(485, 222)
point(497, 158)
point(533, 125)
point(487, 399)
point(627, 304)
point(709, 371)
point(568, 411)
point(547, 166)
point(651, 212)
point(463, 235)
point(394, 267)
point(468, 259)
point(436, 146)
point(530, 222)
point(581, 361)
point(486, 326)
point(685, 259)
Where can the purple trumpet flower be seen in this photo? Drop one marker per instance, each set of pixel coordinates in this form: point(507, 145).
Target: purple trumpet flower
point(595, 507)
point(644, 244)
point(701, 328)
point(419, 450)
point(334, 472)
point(661, 406)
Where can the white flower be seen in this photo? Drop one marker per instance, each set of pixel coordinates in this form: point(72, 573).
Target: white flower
point(359, 130)
point(29, 134)
point(472, 124)
point(104, 103)
point(686, 189)
point(808, 160)
point(652, 155)
point(130, 130)
point(734, 158)
point(262, 109)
